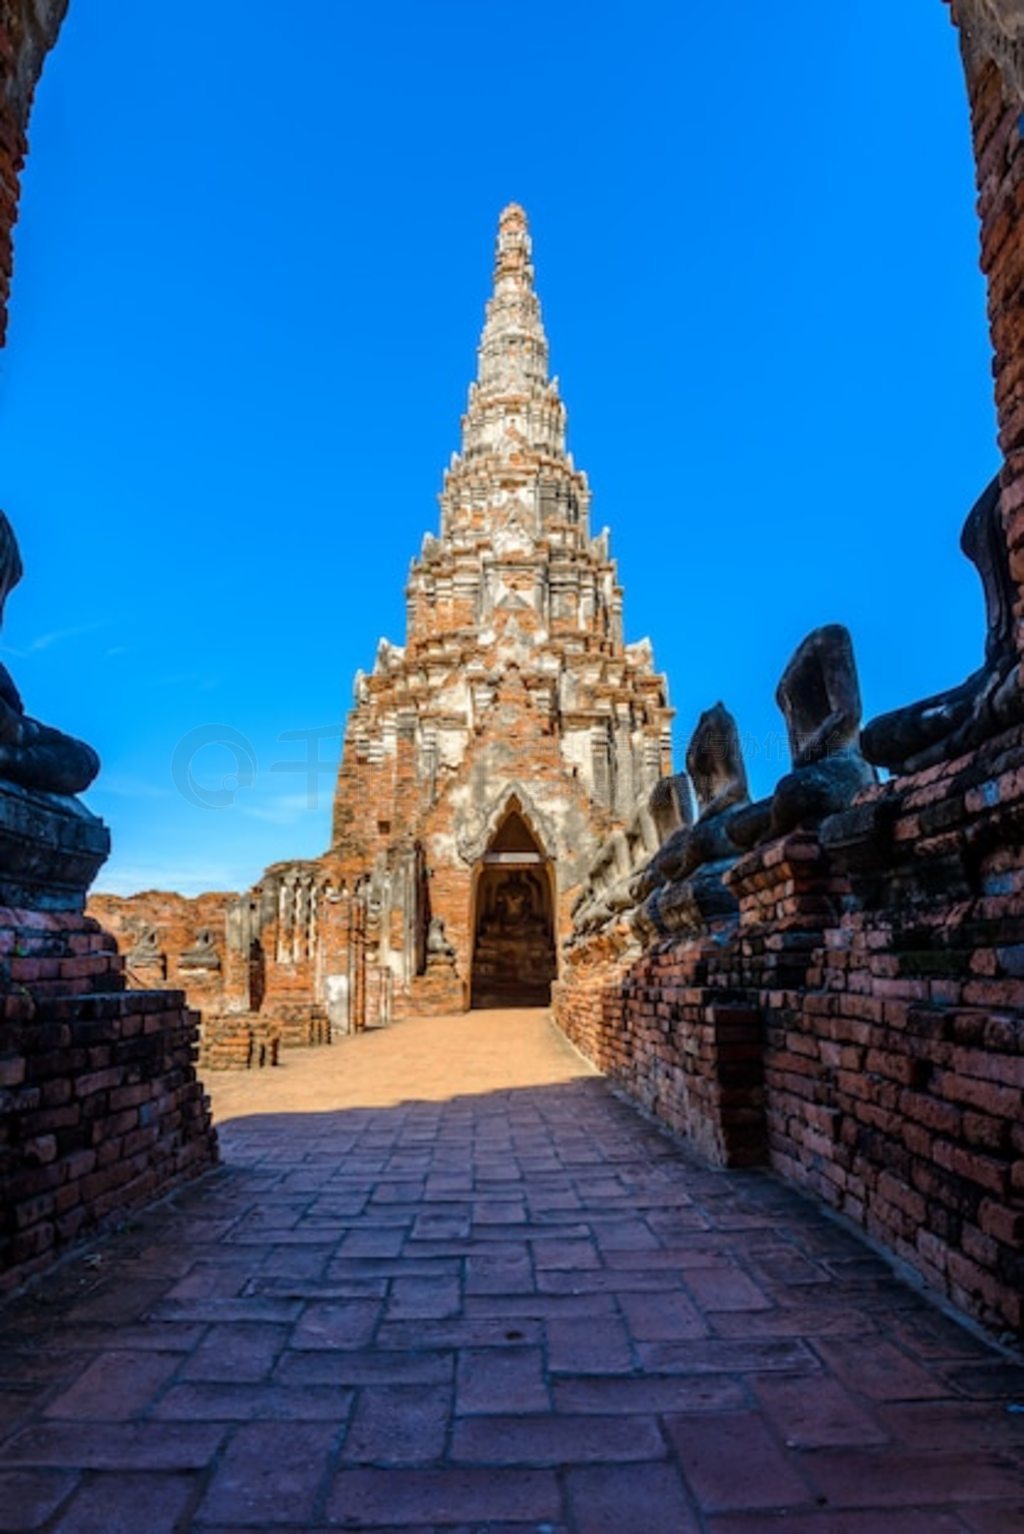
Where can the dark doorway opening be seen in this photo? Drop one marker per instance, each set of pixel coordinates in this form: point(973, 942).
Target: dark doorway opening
point(257, 975)
point(514, 957)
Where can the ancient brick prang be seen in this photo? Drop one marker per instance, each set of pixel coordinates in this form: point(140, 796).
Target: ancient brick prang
point(485, 759)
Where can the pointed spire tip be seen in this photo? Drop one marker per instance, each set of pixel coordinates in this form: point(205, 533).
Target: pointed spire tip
point(514, 246)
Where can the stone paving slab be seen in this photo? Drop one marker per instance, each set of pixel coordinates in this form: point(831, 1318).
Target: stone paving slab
point(447, 1281)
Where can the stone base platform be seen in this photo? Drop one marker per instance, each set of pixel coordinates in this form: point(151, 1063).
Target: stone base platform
point(51, 849)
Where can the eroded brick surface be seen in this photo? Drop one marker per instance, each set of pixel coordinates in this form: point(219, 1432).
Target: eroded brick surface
point(102, 1108)
point(455, 1284)
point(860, 1028)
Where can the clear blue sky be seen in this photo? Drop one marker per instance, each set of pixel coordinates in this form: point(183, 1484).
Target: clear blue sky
point(250, 278)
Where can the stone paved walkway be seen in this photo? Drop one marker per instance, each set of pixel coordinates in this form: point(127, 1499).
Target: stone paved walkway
point(447, 1281)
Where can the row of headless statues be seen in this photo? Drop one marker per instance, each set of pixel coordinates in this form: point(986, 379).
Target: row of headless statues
point(819, 697)
point(680, 887)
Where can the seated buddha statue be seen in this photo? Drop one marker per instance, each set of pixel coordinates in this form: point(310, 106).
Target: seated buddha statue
point(34, 755)
point(819, 696)
point(513, 905)
point(714, 764)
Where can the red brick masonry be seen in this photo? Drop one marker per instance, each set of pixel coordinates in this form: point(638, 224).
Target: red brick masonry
point(861, 1029)
point(102, 1108)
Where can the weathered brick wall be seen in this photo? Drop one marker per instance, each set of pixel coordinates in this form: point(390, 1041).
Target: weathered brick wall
point(102, 1109)
point(589, 1006)
point(682, 1028)
point(690, 1055)
point(44, 954)
point(996, 105)
point(896, 1091)
point(876, 988)
point(176, 919)
point(102, 1113)
point(238, 1042)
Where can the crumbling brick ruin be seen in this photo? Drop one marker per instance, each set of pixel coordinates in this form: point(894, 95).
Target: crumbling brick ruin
point(102, 1109)
point(485, 760)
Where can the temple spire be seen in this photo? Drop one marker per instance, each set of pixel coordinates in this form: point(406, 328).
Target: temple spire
point(513, 355)
point(514, 248)
point(513, 402)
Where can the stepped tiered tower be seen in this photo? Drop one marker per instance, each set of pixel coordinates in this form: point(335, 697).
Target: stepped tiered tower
point(485, 760)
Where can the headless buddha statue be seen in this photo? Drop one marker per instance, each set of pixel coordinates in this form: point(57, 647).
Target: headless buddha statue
point(32, 754)
point(682, 888)
point(819, 696)
point(714, 763)
point(609, 888)
point(203, 953)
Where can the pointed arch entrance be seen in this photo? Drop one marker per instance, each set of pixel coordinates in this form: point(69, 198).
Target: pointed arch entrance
point(514, 955)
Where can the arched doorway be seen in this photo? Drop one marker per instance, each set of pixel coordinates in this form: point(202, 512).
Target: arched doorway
point(514, 957)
